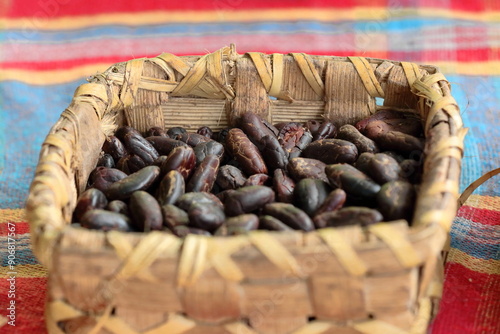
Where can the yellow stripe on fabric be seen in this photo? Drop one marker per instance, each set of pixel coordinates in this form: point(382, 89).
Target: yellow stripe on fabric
point(484, 202)
point(13, 216)
point(470, 262)
point(24, 271)
point(52, 77)
point(201, 16)
point(248, 15)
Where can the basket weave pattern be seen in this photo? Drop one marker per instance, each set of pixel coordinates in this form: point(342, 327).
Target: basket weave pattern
point(383, 279)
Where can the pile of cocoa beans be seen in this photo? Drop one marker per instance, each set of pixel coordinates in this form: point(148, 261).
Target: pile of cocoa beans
point(256, 175)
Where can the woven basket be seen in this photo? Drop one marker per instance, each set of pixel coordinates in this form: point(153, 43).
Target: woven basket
point(384, 279)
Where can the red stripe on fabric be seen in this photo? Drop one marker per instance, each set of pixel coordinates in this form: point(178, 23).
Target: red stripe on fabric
point(19, 228)
point(427, 56)
point(469, 6)
point(470, 304)
point(45, 9)
point(58, 8)
point(483, 216)
point(29, 300)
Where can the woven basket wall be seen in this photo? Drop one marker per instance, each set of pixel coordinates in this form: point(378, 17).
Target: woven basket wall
point(384, 279)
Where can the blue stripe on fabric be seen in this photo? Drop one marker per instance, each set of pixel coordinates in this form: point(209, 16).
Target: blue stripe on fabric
point(227, 28)
point(476, 239)
point(29, 113)
point(24, 256)
point(3, 111)
point(479, 98)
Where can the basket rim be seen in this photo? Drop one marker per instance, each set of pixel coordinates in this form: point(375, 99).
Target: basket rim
point(53, 233)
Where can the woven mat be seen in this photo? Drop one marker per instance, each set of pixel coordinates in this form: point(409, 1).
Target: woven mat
point(49, 47)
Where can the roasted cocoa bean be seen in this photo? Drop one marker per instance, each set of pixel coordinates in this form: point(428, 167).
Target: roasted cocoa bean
point(387, 114)
point(355, 183)
point(283, 186)
point(326, 129)
point(204, 176)
point(274, 155)
point(363, 143)
point(294, 138)
point(409, 126)
point(230, 177)
point(222, 135)
point(165, 145)
point(223, 194)
point(302, 168)
point(137, 144)
point(309, 194)
point(396, 200)
point(411, 170)
point(267, 222)
point(181, 159)
point(161, 159)
point(140, 180)
point(305, 140)
point(171, 187)
point(290, 215)
point(182, 231)
point(114, 147)
point(245, 152)
point(331, 151)
point(363, 163)
point(400, 142)
point(206, 148)
point(205, 216)
point(256, 128)
point(175, 132)
point(384, 168)
point(145, 211)
point(118, 207)
point(185, 201)
point(156, 131)
point(334, 201)
point(122, 164)
point(103, 177)
point(398, 157)
point(375, 128)
point(173, 216)
point(290, 134)
point(205, 131)
point(238, 225)
point(106, 160)
point(104, 220)
point(256, 180)
point(90, 199)
point(348, 216)
point(192, 139)
point(248, 200)
point(380, 167)
point(134, 163)
point(313, 127)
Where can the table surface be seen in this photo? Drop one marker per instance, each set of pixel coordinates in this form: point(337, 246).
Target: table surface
point(50, 47)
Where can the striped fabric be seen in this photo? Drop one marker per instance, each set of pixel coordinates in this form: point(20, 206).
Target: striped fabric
point(49, 47)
